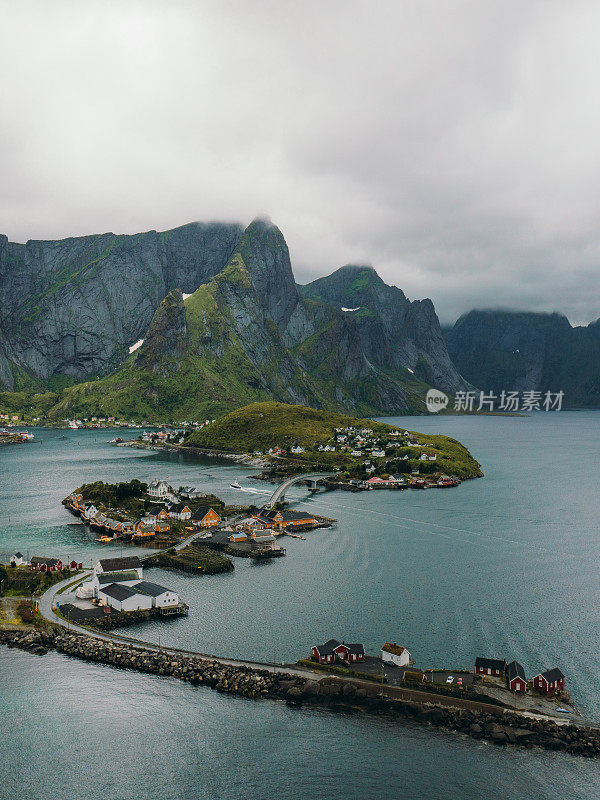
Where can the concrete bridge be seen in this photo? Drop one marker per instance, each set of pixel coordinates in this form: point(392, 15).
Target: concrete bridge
point(312, 478)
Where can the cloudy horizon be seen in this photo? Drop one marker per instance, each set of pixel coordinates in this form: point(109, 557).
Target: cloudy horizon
point(451, 146)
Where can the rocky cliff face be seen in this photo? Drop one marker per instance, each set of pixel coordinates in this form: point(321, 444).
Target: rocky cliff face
point(521, 351)
point(243, 336)
point(72, 307)
point(396, 333)
point(244, 331)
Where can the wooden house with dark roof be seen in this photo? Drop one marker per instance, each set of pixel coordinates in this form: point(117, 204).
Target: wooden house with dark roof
point(180, 511)
point(118, 564)
point(274, 518)
point(490, 666)
point(550, 681)
point(44, 564)
point(332, 649)
point(515, 677)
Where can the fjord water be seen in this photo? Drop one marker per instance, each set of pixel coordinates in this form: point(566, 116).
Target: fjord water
point(504, 566)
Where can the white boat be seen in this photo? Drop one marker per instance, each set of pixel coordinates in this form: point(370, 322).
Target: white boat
point(235, 485)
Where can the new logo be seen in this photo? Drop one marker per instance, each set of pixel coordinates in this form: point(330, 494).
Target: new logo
point(436, 401)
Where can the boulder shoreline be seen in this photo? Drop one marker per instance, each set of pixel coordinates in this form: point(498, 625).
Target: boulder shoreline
point(501, 728)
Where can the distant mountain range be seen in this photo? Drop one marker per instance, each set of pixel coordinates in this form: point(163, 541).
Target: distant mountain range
point(522, 351)
point(222, 323)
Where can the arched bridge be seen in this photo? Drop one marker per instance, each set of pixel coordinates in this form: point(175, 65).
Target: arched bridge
point(312, 477)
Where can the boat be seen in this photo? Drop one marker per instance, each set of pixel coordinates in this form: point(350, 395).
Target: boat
point(235, 485)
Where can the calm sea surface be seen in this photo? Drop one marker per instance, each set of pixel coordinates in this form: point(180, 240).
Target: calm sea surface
point(505, 566)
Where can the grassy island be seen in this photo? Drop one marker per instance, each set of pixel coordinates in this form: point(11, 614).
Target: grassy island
point(306, 438)
point(193, 558)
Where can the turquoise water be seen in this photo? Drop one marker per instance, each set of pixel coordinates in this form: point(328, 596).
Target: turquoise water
point(506, 566)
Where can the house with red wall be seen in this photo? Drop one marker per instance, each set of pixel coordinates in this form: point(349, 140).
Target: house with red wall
point(490, 666)
point(550, 681)
point(44, 564)
point(333, 650)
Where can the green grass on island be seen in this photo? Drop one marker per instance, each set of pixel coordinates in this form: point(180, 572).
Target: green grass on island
point(262, 426)
point(193, 558)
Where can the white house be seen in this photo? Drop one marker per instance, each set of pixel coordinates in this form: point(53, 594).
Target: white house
point(89, 512)
point(118, 565)
point(124, 598)
point(159, 488)
point(356, 453)
point(128, 577)
point(19, 560)
point(297, 450)
point(159, 596)
point(377, 453)
point(395, 654)
point(428, 457)
point(180, 511)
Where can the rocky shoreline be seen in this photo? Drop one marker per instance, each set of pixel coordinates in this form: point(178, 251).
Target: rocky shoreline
point(237, 458)
point(501, 728)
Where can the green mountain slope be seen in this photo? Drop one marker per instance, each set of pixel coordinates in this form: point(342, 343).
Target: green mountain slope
point(244, 336)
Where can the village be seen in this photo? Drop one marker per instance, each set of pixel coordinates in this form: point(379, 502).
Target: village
point(362, 459)
point(492, 679)
point(158, 515)
point(14, 437)
point(365, 460)
point(116, 593)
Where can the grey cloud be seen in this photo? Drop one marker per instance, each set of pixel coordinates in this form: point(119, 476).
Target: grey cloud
point(453, 146)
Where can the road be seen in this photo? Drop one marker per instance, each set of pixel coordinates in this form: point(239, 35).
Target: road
point(46, 603)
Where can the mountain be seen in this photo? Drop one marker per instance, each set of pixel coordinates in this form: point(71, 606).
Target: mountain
point(218, 321)
point(521, 351)
point(244, 336)
point(396, 334)
point(70, 309)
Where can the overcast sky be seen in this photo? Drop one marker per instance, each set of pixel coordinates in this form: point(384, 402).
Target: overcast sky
point(455, 146)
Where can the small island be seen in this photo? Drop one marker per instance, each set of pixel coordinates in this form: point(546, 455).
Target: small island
point(291, 439)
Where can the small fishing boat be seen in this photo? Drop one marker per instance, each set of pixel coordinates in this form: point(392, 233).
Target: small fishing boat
point(235, 485)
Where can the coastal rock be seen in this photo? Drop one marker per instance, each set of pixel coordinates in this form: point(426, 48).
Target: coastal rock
point(435, 716)
point(311, 688)
point(254, 683)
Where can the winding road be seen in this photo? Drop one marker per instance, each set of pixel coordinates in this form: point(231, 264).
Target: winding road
point(46, 608)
